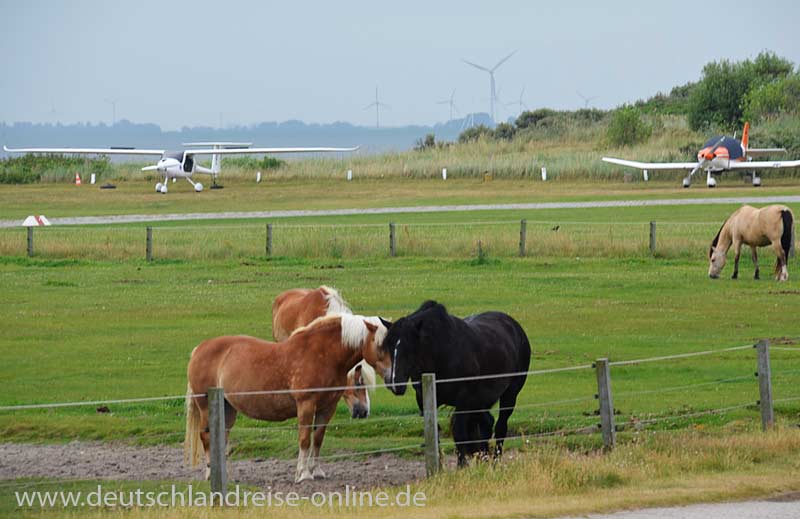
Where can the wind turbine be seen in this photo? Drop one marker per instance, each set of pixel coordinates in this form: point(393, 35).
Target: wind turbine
point(377, 104)
point(490, 71)
point(453, 107)
point(113, 103)
point(586, 100)
point(520, 102)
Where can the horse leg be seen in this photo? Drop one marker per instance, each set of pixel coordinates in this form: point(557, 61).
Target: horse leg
point(485, 422)
point(507, 402)
point(320, 425)
point(459, 436)
point(781, 273)
point(205, 438)
point(305, 421)
point(755, 261)
point(737, 245)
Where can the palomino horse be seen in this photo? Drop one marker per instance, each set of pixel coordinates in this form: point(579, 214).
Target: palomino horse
point(771, 225)
point(298, 307)
point(491, 346)
point(276, 381)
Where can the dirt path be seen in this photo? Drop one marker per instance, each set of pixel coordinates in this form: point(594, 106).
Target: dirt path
point(94, 460)
point(133, 218)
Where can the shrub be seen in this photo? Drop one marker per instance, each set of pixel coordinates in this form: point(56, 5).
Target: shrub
point(627, 127)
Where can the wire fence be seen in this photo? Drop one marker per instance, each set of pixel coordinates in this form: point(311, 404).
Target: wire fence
point(588, 421)
point(500, 238)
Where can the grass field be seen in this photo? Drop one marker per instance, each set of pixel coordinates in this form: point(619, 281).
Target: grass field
point(89, 319)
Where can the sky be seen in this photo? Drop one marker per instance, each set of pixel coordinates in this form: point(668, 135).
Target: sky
point(212, 63)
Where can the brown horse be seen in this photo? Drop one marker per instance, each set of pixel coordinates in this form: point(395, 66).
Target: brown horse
point(771, 225)
point(315, 356)
point(298, 307)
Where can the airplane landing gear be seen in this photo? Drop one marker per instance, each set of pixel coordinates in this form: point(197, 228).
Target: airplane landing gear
point(214, 184)
point(196, 185)
point(756, 180)
point(687, 182)
point(162, 188)
point(158, 187)
point(710, 180)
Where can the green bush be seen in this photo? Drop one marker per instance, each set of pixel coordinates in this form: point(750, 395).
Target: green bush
point(30, 169)
point(627, 127)
point(775, 98)
point(475, 133)
point(250, 162)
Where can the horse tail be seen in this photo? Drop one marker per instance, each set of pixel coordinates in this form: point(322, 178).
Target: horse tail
point(192, 445)
point(787, 238)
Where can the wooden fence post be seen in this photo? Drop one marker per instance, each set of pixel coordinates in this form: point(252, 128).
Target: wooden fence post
point(606, 404)
point(149, 251)
point(522, 235)
point(430, 417)
point(392, 240)
point(765, 385)
point(653, 238)
point(269, 240)
point(30, 241)
point(216, 428)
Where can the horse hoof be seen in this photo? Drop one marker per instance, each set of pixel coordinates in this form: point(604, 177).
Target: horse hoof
point(319, 473)
point(303, 476)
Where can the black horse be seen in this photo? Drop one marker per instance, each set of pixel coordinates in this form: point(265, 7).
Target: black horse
point(432, 341)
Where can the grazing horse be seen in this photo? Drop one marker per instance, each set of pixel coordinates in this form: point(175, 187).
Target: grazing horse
point(298, 307)
point(315, 356)
point(432, 341)
point(771, 225)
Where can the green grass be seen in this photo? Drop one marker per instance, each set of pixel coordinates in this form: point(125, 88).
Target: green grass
point(104, 330)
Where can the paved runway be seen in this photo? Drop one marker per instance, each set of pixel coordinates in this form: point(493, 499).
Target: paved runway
point(134, 218)
point(770, 509)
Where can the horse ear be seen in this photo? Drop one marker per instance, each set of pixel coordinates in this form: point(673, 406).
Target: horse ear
point(387, 324)
point(371, 327)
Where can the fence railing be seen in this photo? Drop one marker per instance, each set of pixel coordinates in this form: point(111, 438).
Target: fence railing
point(459, 239)
point(606, 411)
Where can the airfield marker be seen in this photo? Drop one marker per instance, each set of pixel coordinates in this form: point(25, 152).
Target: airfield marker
point(349, 174)
point(645, 175)
point(92, 179)
point(444, 173)
point(258, 177)
point(544, 173)
point(77, 179)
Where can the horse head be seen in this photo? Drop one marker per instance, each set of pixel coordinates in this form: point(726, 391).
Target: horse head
point(407, 342)
point(716, 260)
point(359, 380)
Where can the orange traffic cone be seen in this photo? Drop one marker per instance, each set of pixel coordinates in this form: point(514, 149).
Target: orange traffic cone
point(77, 179)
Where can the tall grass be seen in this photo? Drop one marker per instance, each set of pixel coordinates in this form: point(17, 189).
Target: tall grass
point(447, 240)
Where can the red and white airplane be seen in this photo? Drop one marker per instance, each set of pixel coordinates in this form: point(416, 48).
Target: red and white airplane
point(719, 154)
point(182, 163)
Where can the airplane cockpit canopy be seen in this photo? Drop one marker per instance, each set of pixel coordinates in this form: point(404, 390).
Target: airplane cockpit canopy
point(733, 146)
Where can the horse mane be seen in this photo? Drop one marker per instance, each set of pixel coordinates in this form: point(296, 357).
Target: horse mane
point(354, 331)
point(367, 373)
point(715, 241)
point(336, 304)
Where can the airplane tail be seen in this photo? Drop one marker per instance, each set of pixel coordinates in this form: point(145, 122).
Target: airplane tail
point(745, 137)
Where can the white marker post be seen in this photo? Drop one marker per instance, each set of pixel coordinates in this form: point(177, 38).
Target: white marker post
point(92, 179)
point(544, 174)
point(645, 175)
point(444, 173)
point(349, 174)
point(258, 177)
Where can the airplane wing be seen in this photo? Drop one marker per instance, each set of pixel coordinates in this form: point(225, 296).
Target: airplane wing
point(242, 151)
point(652, 165)
point(86, 151)
point(765, 164)
point(760, 152)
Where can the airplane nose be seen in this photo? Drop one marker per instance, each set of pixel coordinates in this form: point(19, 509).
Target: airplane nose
point(709, 156)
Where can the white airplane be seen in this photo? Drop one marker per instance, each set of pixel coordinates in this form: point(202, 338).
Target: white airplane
point(719, 154)
point(182, 164)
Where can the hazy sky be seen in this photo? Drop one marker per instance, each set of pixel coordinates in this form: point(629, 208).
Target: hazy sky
point(185, 63)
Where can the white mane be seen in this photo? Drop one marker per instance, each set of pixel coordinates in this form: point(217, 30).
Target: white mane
point(336, 304)
point(367, 374)
point(354, 331)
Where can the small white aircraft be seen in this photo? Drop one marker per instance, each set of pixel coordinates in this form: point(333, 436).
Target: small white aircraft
point(719, 154)
point(182, 164)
